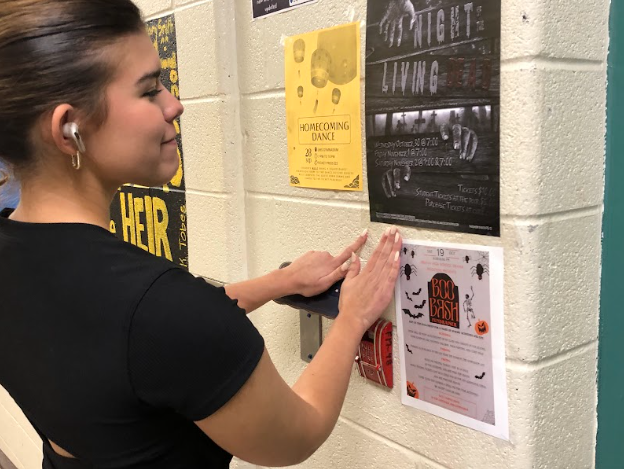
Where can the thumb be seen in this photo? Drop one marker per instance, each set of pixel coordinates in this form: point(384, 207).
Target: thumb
point(354, 268)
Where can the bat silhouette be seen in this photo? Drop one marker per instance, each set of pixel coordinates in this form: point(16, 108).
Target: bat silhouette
point(480, 377)
point(409, 313)
point(408, 297)
point(408, 349)
point(419, 315)
point(416, 293)
point(422, 305)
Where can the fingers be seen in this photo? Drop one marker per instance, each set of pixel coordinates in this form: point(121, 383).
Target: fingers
point(387, 257)
point(383, 22)
point(457, 134)
point(412, 13)
point(392, 29)
point(386, 184)
point(406, 173)
point(354, 268)
point(393, 261)
point(378, 259)
point(396, 173)
point(385, 29)
point(355, 246)
point(400, 32)
point(464, 143)
point(474, 142)
point(444, 132)
point(377, 252)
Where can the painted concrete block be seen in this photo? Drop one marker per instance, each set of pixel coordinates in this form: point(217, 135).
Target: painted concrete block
point(552, 143)
point(551, 28)
point(216, 239)
point(560, 409)
point(201, 63)
point(28, 453)
point(211, 154)
point(152, 8)
point(260, 43)
point(17, 416)
point(265, 151)
point(552, 277)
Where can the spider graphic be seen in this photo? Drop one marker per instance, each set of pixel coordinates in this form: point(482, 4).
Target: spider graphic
point(479, 269)
point(408, 270)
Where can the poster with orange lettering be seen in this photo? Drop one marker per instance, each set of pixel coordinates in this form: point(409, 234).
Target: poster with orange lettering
point(449, 315)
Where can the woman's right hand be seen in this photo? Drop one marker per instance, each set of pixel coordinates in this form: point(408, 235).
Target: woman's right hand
point(366, 292)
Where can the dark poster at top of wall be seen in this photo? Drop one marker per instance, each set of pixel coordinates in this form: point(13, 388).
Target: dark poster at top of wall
point(432, 113)
point(270, 7)
point(155, 218)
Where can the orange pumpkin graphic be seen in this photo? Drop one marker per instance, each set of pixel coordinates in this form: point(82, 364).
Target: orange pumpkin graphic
point(482, 327)
point(412, 391)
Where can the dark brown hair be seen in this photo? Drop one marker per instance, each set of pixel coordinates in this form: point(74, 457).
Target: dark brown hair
point(52, 52)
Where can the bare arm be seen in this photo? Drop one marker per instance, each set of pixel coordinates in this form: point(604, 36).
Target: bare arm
point(251, 294)
point(311, 274)
point(270, 424)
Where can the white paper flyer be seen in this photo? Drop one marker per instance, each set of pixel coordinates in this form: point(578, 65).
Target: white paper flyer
point(449, 306)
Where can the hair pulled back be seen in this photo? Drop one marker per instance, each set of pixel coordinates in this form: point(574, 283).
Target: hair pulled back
point(51, 52)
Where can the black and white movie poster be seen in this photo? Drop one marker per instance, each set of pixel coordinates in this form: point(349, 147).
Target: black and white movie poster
point(433, 113)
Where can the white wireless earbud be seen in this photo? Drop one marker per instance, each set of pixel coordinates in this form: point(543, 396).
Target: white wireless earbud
point(70, 130)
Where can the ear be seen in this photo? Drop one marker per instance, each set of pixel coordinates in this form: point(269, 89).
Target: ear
point(61, 115)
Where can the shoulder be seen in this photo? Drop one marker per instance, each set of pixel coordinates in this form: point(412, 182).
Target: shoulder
point(191, 347)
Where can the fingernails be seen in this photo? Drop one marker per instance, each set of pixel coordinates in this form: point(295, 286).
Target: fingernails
point(386, 232)
point(396, 237)
point(393, 230)
point(344, 267)
point(396, 256)
point(364, 233)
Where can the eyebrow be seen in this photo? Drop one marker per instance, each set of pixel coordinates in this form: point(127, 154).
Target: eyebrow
point(149, 76)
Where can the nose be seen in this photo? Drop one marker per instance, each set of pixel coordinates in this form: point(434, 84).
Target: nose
point(173, 108)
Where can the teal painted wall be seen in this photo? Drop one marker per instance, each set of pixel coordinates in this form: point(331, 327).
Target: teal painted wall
point(610, 443)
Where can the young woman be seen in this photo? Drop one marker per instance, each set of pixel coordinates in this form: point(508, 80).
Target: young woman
point(120, 359)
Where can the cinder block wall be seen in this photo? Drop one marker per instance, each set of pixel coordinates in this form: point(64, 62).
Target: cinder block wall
point(244, 220)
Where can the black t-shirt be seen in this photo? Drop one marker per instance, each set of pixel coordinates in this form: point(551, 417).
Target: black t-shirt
point(112, 353)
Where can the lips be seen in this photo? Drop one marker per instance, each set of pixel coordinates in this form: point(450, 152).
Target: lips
point(168, 141)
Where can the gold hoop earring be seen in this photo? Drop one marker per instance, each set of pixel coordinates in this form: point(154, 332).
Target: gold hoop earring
point(76, 161)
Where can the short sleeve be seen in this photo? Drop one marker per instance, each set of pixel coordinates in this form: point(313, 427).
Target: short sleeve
point(190, 348)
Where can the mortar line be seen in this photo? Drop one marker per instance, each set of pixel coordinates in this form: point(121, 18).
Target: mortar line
point(306, 200)
point(157, 15)
point(536, 365)
point(191, 5)
point(205, 99)
point(173, 9)
point(19, 425)
point(389, 442)
point(240, 196)
point(570, 214)
point(554, 63)
point(12, 453)
point(216, 195)
point(274, 93)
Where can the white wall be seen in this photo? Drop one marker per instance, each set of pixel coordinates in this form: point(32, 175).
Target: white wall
point(244, 220)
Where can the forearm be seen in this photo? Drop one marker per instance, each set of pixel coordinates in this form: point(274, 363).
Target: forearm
point(251, 294)
point(323, 385)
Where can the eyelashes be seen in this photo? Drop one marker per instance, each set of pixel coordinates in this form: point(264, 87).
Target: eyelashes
point(153, 93)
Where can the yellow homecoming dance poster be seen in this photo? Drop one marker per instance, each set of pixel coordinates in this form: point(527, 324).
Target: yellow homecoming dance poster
point(323, 109)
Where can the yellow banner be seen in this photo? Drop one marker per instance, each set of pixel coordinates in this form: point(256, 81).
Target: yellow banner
point(323, 109)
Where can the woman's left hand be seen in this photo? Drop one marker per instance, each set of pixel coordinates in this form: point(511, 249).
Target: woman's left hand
point(315, 271)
